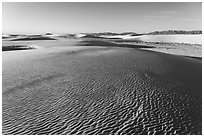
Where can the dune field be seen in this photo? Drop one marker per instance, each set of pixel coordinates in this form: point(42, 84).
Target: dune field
point(180, 44)
point(191, 39)
point(179, 38)
point(82, 87)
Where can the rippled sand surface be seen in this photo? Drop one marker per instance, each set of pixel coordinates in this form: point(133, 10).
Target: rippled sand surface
point(102, 90)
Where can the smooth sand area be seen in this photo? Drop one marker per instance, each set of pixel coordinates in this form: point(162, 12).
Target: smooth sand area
point(176, 38)
point(70, 89)
point(182, 38)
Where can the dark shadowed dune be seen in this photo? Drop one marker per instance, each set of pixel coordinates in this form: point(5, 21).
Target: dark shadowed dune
point(48, 33)
point(110, 44)
point(33, 38)
point(97, 37)
point(90, 36)
point(67, 36)
point(199, 58)
point(16, 47)
point(100, 91)
point(3, 37)
point(11, 36)
point(14, 35)
point(115, 34)
point(129, 40)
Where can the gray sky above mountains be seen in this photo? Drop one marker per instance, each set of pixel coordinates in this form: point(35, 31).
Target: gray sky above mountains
point(67, 17)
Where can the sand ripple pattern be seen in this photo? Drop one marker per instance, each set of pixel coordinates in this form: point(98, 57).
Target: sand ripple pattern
point(104, 95)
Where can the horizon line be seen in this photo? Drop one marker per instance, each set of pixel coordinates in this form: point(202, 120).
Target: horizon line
point(97, 32)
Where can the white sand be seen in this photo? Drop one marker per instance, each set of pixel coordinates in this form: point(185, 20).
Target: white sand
point(192, 39)
point(67, 89)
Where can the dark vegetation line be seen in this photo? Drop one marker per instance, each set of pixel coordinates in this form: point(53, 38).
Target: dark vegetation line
point(33, 38)
point(16, 47)
point(175, 32)
point(150, 33)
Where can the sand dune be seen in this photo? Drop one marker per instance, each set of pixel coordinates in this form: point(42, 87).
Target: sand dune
point(103, 43)
point(178, 38)
point(192, 39)
point(16, 47)
point(33, 38)
point(100, 90)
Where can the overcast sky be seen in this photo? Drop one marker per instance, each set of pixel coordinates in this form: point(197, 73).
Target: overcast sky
point(99, 17)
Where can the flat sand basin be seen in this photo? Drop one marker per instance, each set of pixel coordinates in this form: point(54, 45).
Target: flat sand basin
point(100, 90)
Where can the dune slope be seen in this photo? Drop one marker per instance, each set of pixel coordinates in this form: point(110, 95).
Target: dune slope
point(94, 90)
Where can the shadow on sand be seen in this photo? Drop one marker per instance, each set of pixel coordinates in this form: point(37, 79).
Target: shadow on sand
point(110, 44)
point(33, 38)
point(199, 58)
point(16, 47)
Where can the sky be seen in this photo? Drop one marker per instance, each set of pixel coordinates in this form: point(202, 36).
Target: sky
point(66, 17)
